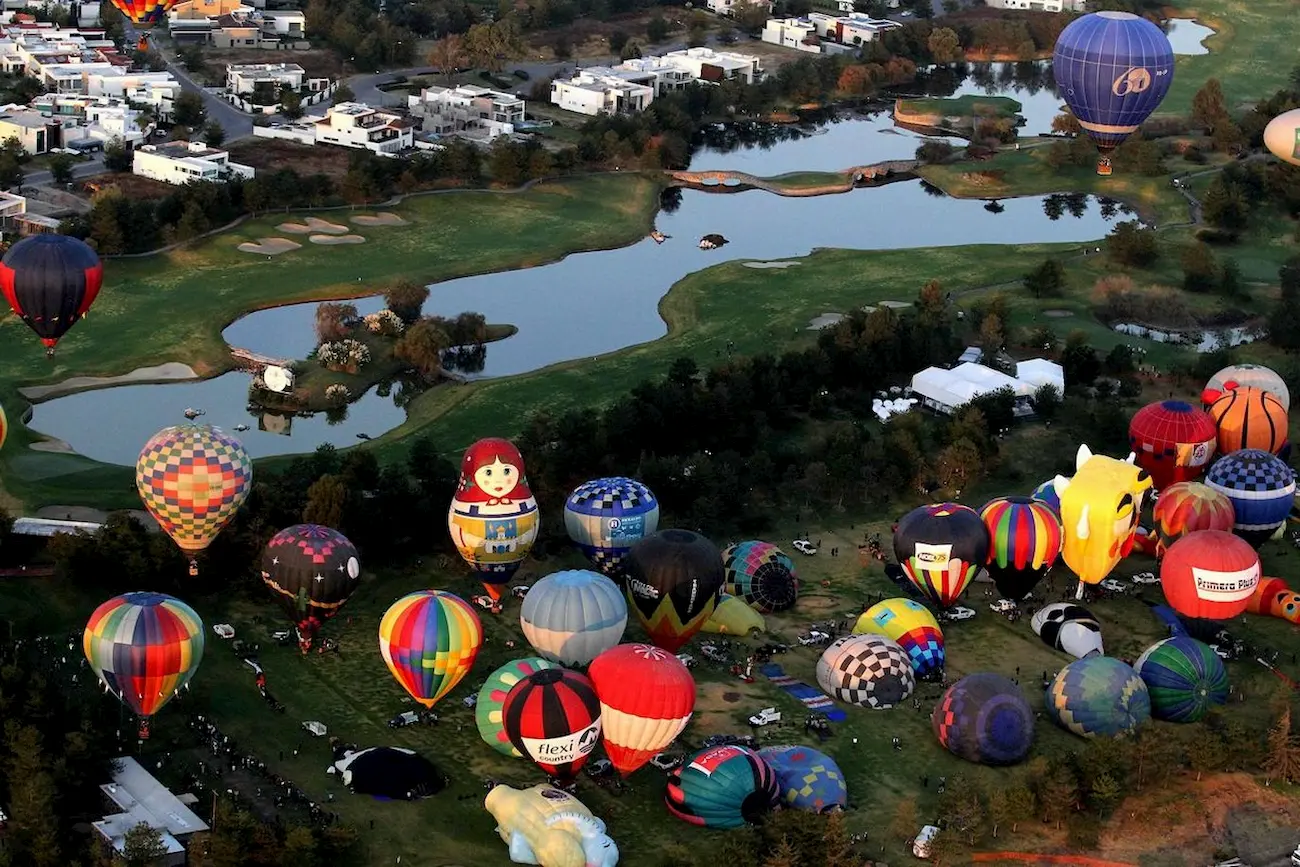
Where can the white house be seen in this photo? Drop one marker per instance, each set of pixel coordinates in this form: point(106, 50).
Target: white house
point(1041, 5)
point(103, 123)
point(183, 162)
point(468, 109)
point(601, 90)
point(658, 72)
point(243, 79)
point(157, 89)
point(36, 132)
point(728, 7)
point(705, 64)
point(945, 390)
point(349, 125)
point(797, 33)
point(139, 799)
point(854, 29)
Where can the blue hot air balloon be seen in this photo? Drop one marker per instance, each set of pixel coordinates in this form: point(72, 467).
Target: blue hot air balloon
point(572, 617)
point(605, 516)
point(1113, 69)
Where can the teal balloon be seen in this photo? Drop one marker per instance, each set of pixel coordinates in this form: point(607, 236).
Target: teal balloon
point(1185, 678)
point(1098, 697)
point(723, 787)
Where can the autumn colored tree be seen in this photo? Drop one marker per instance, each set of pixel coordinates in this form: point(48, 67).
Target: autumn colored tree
point(326, 500)
point(1282, 759)
point(944, 45)
point(903, 826)
point(406, 298)
point(448, 55)
point(332, 321)
point(422, 346)
point(854, 81)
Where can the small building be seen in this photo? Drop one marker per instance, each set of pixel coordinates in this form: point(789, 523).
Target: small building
point(468, 109)
point(355, 125)
point(946, 390)
point(728, 7)
point(139, 799)
point(47, 527)
point(705, 64)
point(601, 90)
point(244, 79)
point(185, 162)
point(1038, 372)
point(797, 33)
point(1041, 5)
point(658, 72)
point(156, 89)
point(853, 30)
point(34, 131)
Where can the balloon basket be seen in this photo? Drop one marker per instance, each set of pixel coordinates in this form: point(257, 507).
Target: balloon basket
point(194, 568)
point(49, 353)
point(1104, 168)
point(143, 733)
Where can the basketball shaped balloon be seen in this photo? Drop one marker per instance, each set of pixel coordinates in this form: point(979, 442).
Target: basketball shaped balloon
point(1249, 418)
point(1210, 575)
point(1173, 441)
point(1239, 375)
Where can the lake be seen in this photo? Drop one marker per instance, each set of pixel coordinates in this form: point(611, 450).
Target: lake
point(1188, 36)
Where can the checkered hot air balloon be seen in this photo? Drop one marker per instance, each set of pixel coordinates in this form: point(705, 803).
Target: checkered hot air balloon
point(866, 670)
point(144, 648)
point(605, 517)
point(723, 787)
point(1261, 488)
point(808, 780)
point(647, 696)
point(984, 718)
point(311, 572)
point(1098, 697)
point(911, 625)
point(1173, 441)
point(429, 640)
point(1187, 507)
point(940, 548)
point(1184, 677)
point(673, 581)
point(762, 575)
point(1024, 542)
point(492, 696)
point(571, 617)
point(553, 718)
point(193, 479)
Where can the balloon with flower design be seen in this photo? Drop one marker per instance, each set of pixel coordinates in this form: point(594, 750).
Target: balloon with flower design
point(493, 517)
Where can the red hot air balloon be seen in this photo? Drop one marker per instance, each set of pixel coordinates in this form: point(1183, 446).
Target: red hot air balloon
point(50, 281)
point(1210, 575)
point(647, 696)
point(553, 717)
point(1187, 507)
point(1174, 441)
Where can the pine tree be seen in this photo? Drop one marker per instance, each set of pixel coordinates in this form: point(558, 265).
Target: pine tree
point(1282, 759)
point(784, 855)
point(1057, 795)
point(837, 849)
point(904, 824)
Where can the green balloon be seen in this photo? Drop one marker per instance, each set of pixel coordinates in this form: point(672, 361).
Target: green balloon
point(487, 710)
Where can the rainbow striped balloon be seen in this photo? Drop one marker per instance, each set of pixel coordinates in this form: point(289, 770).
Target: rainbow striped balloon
point(429, 639)
point(144, 647)
point(4, 426)
point(1024, 542)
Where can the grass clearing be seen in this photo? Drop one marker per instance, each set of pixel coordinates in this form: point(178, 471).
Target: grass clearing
point(1251, 53)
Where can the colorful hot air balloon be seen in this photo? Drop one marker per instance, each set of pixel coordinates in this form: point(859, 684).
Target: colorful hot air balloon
point(940, 548)
point(1282, 136)
point(1100, 508)
point(553, 718)
point(1113, 69)
point(144, 648)
point(984, 718)
point(733, 617)
point(1184, 677)
point(673, 580)
point(1272, 598)
point(723, 787)
point(492, 695)
point(762, 575)
point(571, 617)
point(911, 626)
point(193, 479)
point(429, 640)
point(1046, 493)
point(1209, 575)
point(605, 517)
point(1261, 488)
point(50, 281)
point(1068, 627)
point(4, 426)
point(145, 13)
point(808, 780)
point(1186, 507)
point(866, 670)
point(311, 571)
point(1174, 441)
point(647, 696)
point(1248, 418)
point(1024, 541)
point(493, 517)
point(1098, 697)
point(1251, 375)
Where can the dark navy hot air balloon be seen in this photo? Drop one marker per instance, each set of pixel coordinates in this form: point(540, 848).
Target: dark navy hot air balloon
point(1113, 69)
point(50, 281)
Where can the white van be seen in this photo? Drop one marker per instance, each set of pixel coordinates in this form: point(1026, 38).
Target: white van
point(921, 843)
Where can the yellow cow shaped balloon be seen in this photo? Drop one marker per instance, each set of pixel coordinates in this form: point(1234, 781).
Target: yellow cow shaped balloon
point(1100, 508)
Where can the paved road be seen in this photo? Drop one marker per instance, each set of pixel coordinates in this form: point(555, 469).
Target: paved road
point(236, 123)
point(80, 171)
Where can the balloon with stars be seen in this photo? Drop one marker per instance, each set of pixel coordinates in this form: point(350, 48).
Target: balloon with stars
point(311, 571)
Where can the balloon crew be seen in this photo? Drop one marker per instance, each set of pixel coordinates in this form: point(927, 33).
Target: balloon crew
point(50, 282)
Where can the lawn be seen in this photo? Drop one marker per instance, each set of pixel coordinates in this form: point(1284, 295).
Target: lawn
point(966, 105)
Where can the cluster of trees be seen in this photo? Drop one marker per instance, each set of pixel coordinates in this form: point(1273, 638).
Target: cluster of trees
point(1284, 318)
point(1245, 194)
point(1137, 155)
point(1024, 35)
point(118, 223)
point(366, 38)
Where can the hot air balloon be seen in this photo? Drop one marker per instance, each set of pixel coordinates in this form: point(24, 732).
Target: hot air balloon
point(493, 517)
point(1184, 677)
point(1098, 697)
point(1250, 375)
point(1209, 575)
point(1248, 418)
point(1113, 69)
point(911, 626)
point(808, 780)
point(1186, 507)
point(1024, 541)
point(1100, 508)
point(1174, 441)
point(145, 13)
point(492, 695)
point(311, 571)
point(1282, 136)
point(1272, 598)
point(4, 426)
point(673, 580)
point(429, 640)
point(193, 479)
point(1068, 627)
point(733, 617)
point(866, 670)
point(605, 517)
point(723, 787)
point(571, 617)
point(50, 281)
point(940, 548)
point(1046, 493)
point(647, 696)
point(984, 718)
point(762, 575)
point(553, 718)
point(144, 648)
point(1260, 487)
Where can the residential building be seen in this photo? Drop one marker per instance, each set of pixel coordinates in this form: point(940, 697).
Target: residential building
point(476, 111)
point(1041, 5)
point(797, 33)
point(245, 79)
point(183, 162)
point(666, 75)
point(601, 90)
point(157, 89)
point(349, 125)
point(139, 798)
point(728, 7)
point(11, 207)
point(705, 64)
point(36, 132)
point(232, 24)
point(854, 29)
point(90, 121)
point(283, 23)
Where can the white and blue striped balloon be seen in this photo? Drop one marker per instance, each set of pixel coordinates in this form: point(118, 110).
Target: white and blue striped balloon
point(572, 617)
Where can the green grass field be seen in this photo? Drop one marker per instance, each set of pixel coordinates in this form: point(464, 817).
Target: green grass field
point(966, 105)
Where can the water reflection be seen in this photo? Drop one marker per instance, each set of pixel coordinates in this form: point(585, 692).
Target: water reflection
point(1188, 37)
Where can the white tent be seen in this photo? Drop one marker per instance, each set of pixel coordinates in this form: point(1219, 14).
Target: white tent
point(962, 384)
point(1038, 372)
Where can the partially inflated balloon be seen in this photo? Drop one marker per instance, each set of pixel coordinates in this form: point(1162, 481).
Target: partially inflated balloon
point(1184, 677)
point(1272, 598)
point(1100, 508)
point(647, 696)
point(673, 581)
point(1098, 697)
point(571, 617)
point(429, 640)
point(1174, 441)
point(866, 670)
point(940, 548)
point(311, 571)
point(762, 575)
point(493, 516)
point(723, 787)
point(50, 281)
point(1025, 539)
point(733, 617)
point(1187, 507)
point(1282, 136)
point(492, 696)
point(1046, 493)
point(984, 718)
point(809, 780)
point(1251, 375)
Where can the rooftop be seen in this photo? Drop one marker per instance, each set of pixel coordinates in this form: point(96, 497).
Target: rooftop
point(48, 526)
point(181, 150)
point(142, 799)
point(264, 68)
point(26, 119)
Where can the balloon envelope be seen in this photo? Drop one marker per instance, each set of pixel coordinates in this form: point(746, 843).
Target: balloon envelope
point(145, 13)
point(193, 479)
point(940, 548)
point(1098, 697)
point(605, 517)
point(1068, 627)
point(50, 281)
point(733, 617)
point(4, 426)
point(647, 696)
point(1184, 677)
point(571, 617)
point(673, 581)
point(866, 670)
point(1174, 441)
point(429, 640)
point(1248, 418)
point(1100, 509)
point(760, 574)
point(1024, 541)
point(553, 718)
point(492, 695)
point(910, 625)
point(808, 780)
point(984, 718)
point(1209, 575)
point(311, 571)
point(493, 517)
point(1046, 493)
point(1282, 136)
point(723, 787)
point(1261, 488)
point(1252, 375)
point(1186, 507)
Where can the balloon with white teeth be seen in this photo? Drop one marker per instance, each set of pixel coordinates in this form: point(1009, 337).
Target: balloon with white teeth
point(1100, 508)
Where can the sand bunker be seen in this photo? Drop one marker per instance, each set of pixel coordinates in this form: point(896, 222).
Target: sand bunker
point(826, 320)
point(313, 224)
point(1058, 314)
point(383, 219)
point(159, 373)
point(336, 239)
point(770, 264)
point(896, 305)
point(56, 446)
point(269, 246)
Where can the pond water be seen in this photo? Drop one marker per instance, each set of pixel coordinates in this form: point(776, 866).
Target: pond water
point(1208, 340)
point(1188, 36)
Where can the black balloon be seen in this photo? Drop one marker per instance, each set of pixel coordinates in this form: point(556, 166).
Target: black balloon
point(673, 578)
point(311, 570)
point(50, 281)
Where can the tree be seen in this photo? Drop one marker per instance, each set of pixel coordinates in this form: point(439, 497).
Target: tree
point(1284, 319)
point(1131, 243)
point(422, 346)
point(1200, 270)
point(1046, 401)
point(1066, 123)
point(299, 846)
point(944, 45)
point(1209, 106)
point(1020, 803)
point(489, 45)
point(836, 847)
point(343, 93)
point(631, 51)
point(61, 168)
point(946, 848)
point(326, 500)
point(1205, 753)
point(934, 151)
point(213, 134)
point(962, 810)
point(1230, 285)
point(854, 81)
point(447, 55)
point(290, 103)
point(999, 809)
point(1282, 759)
point(903, 826)
point(617, 39)
point(1057, 794)
point(750, 15)
point(1047, 279)
point(333, 321)
point(142, 846)
point(406, 298)
point(116, 158)
point(33, 832)
point(656, 30)
point(784, 855)
point(1105, 794)
point(187, 109)
point(1224, 205)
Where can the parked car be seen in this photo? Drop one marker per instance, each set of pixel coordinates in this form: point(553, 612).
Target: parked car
point(224, 630)
point(1003, 606)
point(803, 546)
point(469, 700)
point(667, 761)
point(314, 728)
point(1145, 578)
point(1114, 586)
point(730, 740)
point(814, 638)
point(519, 591)
point(959, 612)
point(921, 843)
point(402, 720)
point(487, 603)
point(686, 659)
point(765, 716)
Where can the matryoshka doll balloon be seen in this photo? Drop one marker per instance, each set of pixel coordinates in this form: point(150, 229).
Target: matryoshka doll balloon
point(493, 517)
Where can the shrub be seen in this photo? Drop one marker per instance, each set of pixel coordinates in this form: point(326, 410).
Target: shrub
point(343, 355)
point(337, 393)
point(385, 323)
